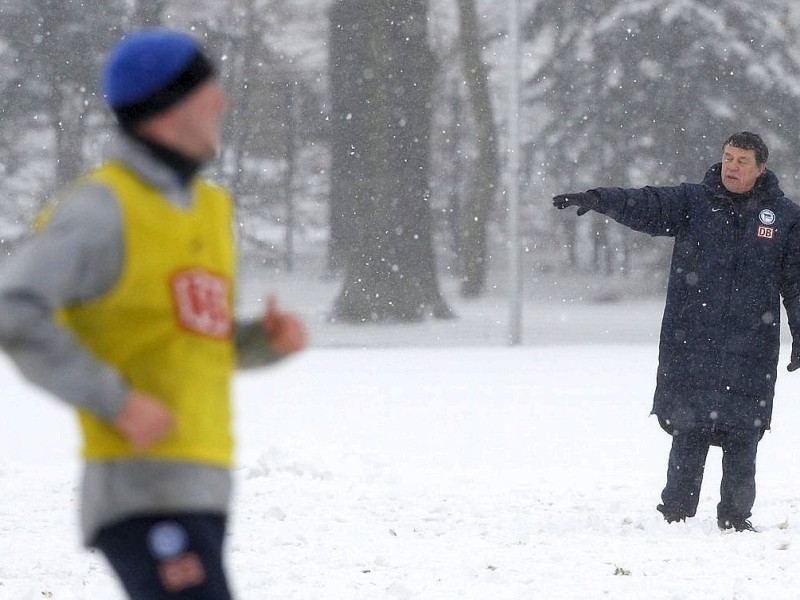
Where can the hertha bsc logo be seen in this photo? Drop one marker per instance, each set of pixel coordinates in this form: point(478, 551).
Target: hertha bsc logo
point(766, 216)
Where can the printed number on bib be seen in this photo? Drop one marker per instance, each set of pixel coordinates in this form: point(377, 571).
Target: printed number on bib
point(202, 302)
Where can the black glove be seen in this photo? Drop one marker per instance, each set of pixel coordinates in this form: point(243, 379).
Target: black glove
point(585, 201)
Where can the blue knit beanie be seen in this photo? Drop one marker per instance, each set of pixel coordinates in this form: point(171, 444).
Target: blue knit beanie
point(150, 70)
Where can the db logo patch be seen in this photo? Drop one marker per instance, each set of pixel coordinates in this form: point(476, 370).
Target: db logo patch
point(202, 302)
point(765, 232)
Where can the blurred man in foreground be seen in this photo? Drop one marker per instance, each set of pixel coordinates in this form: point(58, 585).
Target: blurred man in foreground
point(122, 305)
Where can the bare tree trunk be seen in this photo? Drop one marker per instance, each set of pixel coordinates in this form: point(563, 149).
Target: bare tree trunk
point(290, 119)
point(391, 271)
point(348, 45)
point(454, 200)
point(65, 79)
point(486, 169)
point(70, 131)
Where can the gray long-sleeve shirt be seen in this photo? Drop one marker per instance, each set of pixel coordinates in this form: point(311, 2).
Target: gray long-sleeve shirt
point(78, 257)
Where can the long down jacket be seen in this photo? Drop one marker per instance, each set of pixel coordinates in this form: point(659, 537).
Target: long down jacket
point(734, 257)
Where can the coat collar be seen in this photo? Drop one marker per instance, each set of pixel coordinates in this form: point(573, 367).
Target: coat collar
point(151, 168)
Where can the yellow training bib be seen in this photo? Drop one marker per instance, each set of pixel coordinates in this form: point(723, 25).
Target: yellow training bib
point(167, 323)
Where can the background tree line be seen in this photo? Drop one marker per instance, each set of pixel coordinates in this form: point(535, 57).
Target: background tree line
point(366, 138)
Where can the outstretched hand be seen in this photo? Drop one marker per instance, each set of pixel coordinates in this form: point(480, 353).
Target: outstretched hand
point(285, 331)
point(585, 201)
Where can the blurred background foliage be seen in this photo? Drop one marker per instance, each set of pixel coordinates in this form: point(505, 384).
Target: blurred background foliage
point(332, 100)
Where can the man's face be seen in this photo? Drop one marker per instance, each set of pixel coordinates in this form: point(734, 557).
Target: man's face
point(740, 169)
point(198, 119)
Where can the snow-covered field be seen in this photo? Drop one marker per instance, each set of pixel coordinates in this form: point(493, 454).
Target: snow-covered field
point(443, 469)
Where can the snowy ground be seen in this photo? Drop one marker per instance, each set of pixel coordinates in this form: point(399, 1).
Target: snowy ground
point(435, 463)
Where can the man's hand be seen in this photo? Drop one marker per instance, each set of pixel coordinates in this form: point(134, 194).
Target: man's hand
point(285, 331)
point(585, 201)
point(144, 420)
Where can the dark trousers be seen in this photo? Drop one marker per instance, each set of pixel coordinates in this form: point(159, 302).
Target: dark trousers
point(175, 557)
point(687, 460)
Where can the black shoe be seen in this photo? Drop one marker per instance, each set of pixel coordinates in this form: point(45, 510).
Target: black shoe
point(670, 516)
point(736, 524)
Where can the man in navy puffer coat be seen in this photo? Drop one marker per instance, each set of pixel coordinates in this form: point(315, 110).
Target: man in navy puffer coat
point(736, 253)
